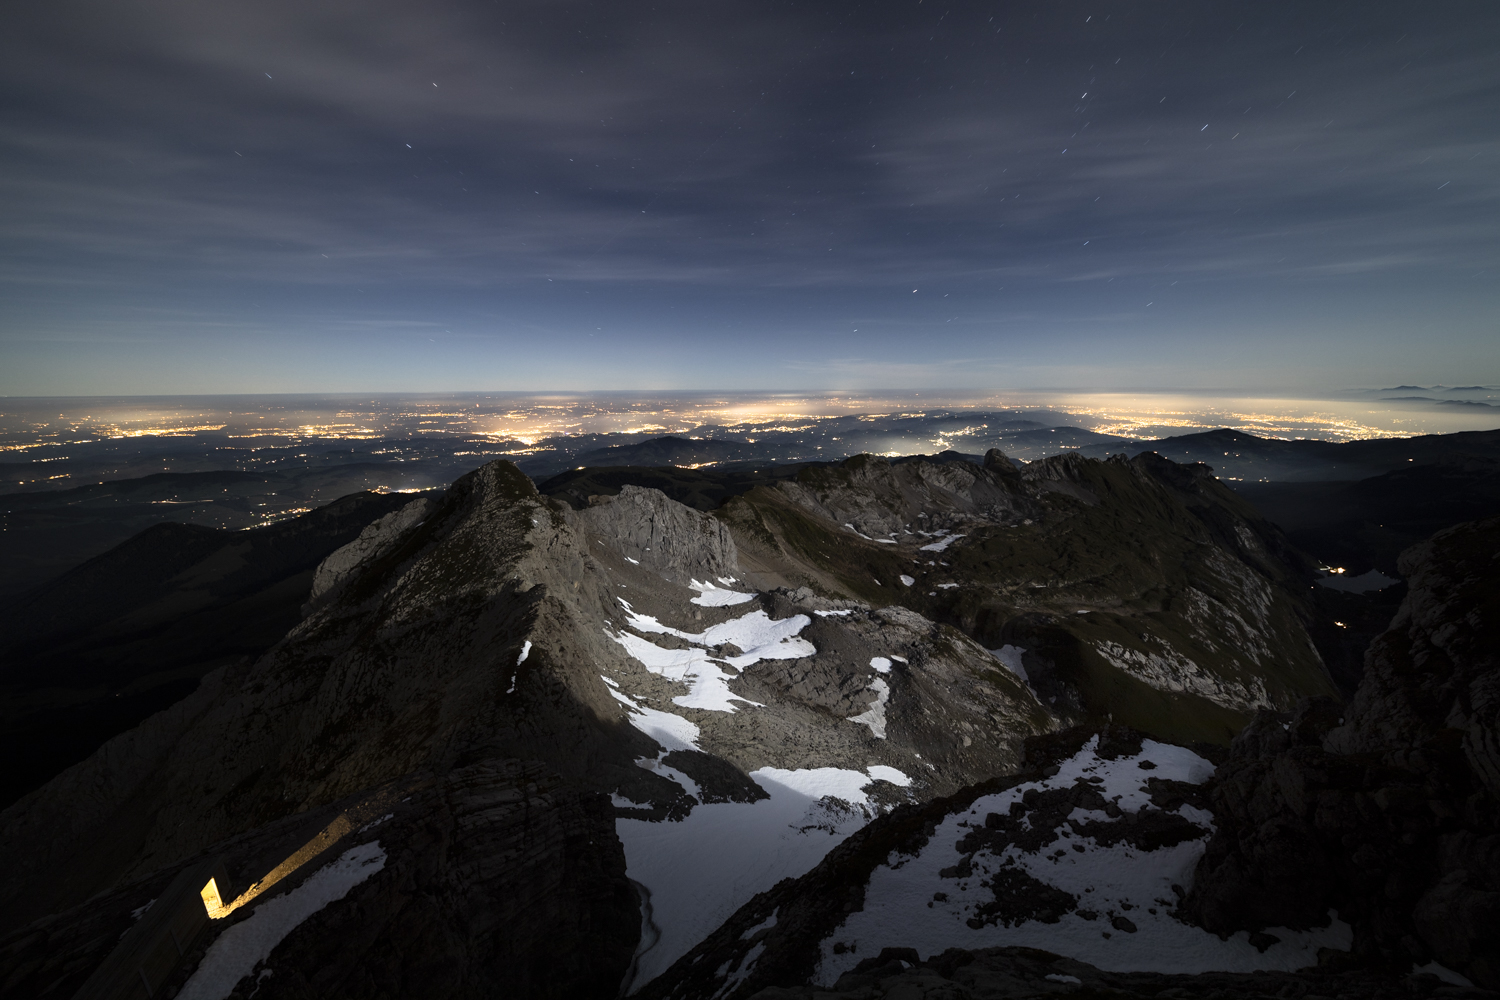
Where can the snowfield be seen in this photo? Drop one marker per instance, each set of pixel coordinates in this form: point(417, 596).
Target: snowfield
point(673, 732)
point(1122, 921)
point(699, 871)
point(712, 596)
point(755, 634)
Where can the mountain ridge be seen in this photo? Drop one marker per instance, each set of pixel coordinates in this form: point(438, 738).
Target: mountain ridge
point(742, 690)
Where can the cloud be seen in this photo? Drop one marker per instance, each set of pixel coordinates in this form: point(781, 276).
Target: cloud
point(282, 159)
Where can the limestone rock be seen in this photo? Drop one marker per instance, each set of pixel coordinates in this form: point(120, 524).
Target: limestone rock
point(377, 539)
point(674, 541)
point(1385, 810)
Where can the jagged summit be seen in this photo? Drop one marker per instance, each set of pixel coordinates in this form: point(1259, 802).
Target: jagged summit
point(1135, 589)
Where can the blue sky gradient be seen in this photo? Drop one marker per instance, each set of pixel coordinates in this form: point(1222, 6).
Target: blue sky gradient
point(457, 196)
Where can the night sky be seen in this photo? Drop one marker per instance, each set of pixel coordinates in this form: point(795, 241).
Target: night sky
point(315, 196)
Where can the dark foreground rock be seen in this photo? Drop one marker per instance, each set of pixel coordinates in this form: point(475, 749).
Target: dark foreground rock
point(1385, 810)
point(1018, 973)
point(495, 874)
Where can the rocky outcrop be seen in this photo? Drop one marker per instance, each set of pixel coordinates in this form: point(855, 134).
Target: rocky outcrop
point(1436, 672)
point(1385, 810)
point(501, 873)
point(1141, 591)
point(406, 670)
point(378, 538)
point(677, 543)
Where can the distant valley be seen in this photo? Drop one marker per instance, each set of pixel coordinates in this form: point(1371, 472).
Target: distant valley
point(58, 511)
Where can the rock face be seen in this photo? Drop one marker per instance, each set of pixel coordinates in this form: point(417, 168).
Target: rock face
point(495, 872)
point(377, 539)
point(499, 874)
point(1385, 810)
point(1139, 591)
point(677, 543)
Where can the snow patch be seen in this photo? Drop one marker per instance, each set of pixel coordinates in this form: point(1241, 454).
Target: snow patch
point(746, 965)
point(1010, 656)
point(710, 596)
point(909, 903)
point(881, 664)
point(620, 801)
point(707, 681)
point(763, 925)
point(761, 637)
point(1444, 973)
point(882, 772)
point(673, 732)
point(874, 716)
point(703, 868)
point(376, 822)
point(941, 543)
point(236, 952)
point(757, 635)
point(907, 581)
point(525, 652)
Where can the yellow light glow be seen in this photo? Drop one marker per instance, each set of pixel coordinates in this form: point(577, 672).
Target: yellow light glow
point(211, 899)
point(326, 838)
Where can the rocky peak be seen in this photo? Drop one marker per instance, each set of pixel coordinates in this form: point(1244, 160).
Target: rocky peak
point(1437, 668)
point(678, 543)
point(996, 461)
point(1383, 810)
